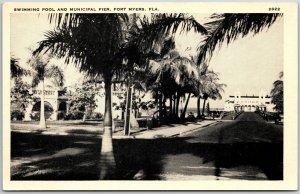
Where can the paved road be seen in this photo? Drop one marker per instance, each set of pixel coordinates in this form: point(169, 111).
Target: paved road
point(247, 148)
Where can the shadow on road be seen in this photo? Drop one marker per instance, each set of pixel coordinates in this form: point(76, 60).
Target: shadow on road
point(43, 157)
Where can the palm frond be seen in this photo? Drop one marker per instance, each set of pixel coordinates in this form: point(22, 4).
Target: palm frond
point(152, 31)
point(90, 41)
point(281, 75)
point(228, 27)
point(35, 81)
point(16, 70)
point(56, 74)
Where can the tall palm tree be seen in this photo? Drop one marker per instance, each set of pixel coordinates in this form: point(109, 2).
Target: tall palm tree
point(95, 43)
point(210, 88)
point(92, 42)
point(42, 69)
point(228, 27)
point(203, 74)
point(277, 93)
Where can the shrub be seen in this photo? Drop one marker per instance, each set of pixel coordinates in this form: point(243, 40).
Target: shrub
point(61, 115)
point(95, 116)
point(36, 115)
point(74, 115)
point(17, 115)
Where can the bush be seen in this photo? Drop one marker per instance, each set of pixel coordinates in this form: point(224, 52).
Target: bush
point(61, 115)
point(36, 115)
point(17, 115)
point(74, 115)
point(96, 115)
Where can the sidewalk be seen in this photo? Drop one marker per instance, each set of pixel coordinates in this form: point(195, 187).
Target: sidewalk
point(96, 130)
point(174, 130)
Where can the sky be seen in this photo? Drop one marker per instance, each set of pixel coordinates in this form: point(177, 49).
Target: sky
point(248, 64)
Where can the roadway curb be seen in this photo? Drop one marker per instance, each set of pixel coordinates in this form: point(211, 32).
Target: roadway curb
point(193, 130)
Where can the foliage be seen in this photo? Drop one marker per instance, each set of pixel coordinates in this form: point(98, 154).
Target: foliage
point(42, 69)
point(74, 115)
point(37, 106)
point(95, 116)
point(20, 93)
point(209, 86)
point(61, 115)
point(228, 27)
point(15, 69)
point(91, 41)
point(277, 94)
point(36, 115)
point(17, 115)
point(173, 68)
point(82, 97)
point(207, 108)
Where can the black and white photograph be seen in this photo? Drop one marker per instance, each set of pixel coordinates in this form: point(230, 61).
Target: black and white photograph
point(140, 93)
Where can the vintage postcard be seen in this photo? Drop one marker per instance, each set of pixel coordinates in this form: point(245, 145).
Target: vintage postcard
point(150, 96)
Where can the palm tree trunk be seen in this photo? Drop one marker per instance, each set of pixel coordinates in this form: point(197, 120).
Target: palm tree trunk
point(171, 107)
point(107, 160)
point(160, 107)
point(42, 109)
point(203, 107)
point(164, 106)
point(174, 105)
point(177, 105)
point(182, 116)
point(198, 107)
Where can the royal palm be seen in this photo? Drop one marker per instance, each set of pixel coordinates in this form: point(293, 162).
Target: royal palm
point(41, 70)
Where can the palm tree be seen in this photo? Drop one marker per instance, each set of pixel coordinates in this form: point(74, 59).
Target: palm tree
point(203, 74)
point(174, 73)
point(228, 27)
point(277, 93)
point(210, 88)
point(92, 42)
point(98, 44)
point(42, 69)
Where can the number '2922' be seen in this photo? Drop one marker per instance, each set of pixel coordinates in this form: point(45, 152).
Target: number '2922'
point(274, 8)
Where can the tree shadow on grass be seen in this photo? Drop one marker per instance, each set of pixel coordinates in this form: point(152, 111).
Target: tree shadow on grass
point(83, 131)
point(42, 157)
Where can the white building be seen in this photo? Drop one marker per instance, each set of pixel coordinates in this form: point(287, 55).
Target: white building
point(249, 103)
point(55, 102)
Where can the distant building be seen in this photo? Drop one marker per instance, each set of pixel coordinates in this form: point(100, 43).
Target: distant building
point(249, 103)
point(55, 102)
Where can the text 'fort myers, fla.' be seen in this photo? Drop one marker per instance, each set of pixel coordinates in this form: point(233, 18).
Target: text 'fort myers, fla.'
point(81, 9)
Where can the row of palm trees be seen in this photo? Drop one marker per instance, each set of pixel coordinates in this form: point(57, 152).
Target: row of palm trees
point(109, 45)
